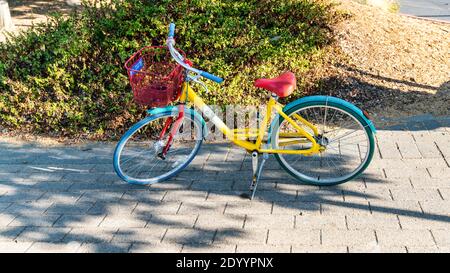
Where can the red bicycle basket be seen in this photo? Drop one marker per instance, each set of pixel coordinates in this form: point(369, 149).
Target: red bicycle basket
point(154, 77)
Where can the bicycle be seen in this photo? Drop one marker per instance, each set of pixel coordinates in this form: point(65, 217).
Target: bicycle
point(319, 140)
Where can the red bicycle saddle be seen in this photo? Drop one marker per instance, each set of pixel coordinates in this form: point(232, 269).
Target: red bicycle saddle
point(282, 85)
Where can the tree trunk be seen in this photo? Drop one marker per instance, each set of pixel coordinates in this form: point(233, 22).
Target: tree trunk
point(5, 15)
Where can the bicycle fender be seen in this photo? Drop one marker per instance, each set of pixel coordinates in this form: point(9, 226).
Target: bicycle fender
point(187, 111)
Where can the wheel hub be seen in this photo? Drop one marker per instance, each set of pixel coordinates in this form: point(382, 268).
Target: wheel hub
point(322, 140)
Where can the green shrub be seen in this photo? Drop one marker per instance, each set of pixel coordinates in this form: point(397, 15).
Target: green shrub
point(66, 77)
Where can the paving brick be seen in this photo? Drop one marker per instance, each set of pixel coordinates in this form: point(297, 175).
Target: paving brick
point(346, 208)
point(248, 207)
point(112, 208)
point(35, 220)
point(40, 247)
point(374, 248)
point(387, 221)
point(263, 248)
point(318, 249)
point(90, 235)
point(367, 194)
point(101, 196)
point(41, 177)
point(443, 146)
point(293, 237)
point(70, 208)
point(275, 195)
point(442, 172)
point(405, 237)
point(52, 186)
point(244, 185)
point(388, 149)
point(415, 194)
point(428, 149)
point(79, 220)
point(225, 196)
point(156, 248)
point(176, 184)
point(185, 196)
point(406, 173)
point(35, 207)
point(21, 196)
point(221, 221)
point(389, 183)
point(139, 235)
point(170, 220)
point(430, 183)
point(170, 207)
point(381, 207)
point(408, 149)
point(357, 184)
point(9, 233)
point(104, 248)
point(408, 163)
point(188, 236)
point(215, 185)
point(442, 236)
point(123, 221)
point(313, 195)
point(5, 219)
point(436, 208)
point(14, 247)
point(144, 196)
point(320, 222)
point(202, 207)
point(339, 237)
point(42, 234)
point(61, 197)
point(208, 248)
point(424, 222)
point(427, 249)
point(81, 177)
point(297, 208)
point(241, 236)
point(269, 221)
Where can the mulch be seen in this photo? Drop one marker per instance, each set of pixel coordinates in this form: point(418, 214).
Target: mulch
point(391, 65)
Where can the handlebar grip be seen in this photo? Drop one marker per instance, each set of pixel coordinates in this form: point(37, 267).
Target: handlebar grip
point(171, 30)
point(211, 77)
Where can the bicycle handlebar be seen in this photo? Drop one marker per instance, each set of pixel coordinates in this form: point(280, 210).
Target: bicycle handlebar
point(171, 30)
point(179, 58)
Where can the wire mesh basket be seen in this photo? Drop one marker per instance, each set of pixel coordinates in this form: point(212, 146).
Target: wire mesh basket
point(154, 77)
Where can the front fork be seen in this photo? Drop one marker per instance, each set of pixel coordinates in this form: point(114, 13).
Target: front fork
point(173, 131)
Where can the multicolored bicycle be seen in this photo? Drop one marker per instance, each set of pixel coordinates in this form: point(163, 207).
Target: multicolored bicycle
point(320, 140)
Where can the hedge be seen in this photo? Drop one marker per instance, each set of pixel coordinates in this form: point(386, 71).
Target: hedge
point(66, 77)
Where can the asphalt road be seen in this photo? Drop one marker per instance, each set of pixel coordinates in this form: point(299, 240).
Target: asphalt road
point(433, 9)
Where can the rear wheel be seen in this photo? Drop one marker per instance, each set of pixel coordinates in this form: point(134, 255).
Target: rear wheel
point(346, 139)
point(139, 157)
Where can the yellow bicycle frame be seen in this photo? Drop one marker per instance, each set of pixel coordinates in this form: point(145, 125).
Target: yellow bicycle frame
point(240, 136)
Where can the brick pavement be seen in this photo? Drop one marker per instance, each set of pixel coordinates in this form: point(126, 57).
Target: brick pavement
point(68, 199)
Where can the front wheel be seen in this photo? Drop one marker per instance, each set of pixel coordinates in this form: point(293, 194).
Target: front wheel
point(143, 155)
point(346, 139)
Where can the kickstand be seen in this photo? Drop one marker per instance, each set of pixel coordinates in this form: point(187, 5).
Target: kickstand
point(256, 172)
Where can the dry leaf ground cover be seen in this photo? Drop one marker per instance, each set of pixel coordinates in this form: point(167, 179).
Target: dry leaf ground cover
point(392, 65)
